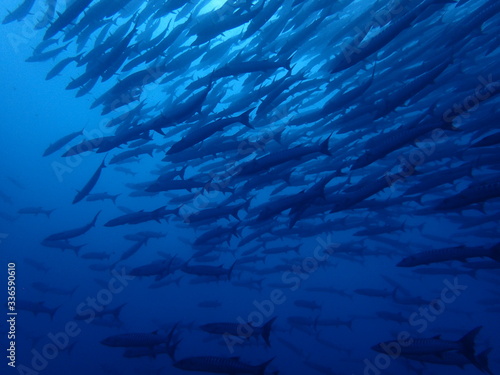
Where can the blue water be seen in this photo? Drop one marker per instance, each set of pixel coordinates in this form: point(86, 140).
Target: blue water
point(37, 112)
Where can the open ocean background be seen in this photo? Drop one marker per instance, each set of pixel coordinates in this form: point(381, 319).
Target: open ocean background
point(330, 330)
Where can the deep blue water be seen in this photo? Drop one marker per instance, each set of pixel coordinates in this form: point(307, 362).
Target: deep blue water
point(438, 71)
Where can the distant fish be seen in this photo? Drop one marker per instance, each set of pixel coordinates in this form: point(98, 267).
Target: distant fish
point(36, 307)
point(140, 217)
point(208, 270)
point(107, 313)
point(102, 197)
point(5, 197)
point(220, 365)
point(236, 329)
point(36, 264)
point(436, 346)
point(459, 253)
point(20, 12)
point(62, 245)
point(307, 304)
point(60, 143)
point(66, 235)
point(96, 255)
point(90, 184)
point(35, 211)
point(8, 217)
point(136, 340)
point(45, 288)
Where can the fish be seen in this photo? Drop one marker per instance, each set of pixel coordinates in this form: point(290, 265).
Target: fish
point(40, 266)
point(459, 253)
point(45, 288)
point(135, 340)
point(8, 217)
point(36, 307)
point(35, 211)
point(20, 12)
point(312, 305)
point(199, 135)
point(160, 269)
point(65, 18)
point(95, 255)
point(62, 244)
point(131, 250)
point(101, 197)
point(140, 217)
point(216, 271)
point(106, 313)
point(437, 346)
point(220, 365)
point(240, 330)
point(60, 143)
point(90, 184)
point(283, 137)
point(71, 233)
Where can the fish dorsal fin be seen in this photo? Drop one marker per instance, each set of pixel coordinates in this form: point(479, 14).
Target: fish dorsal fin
point(437, 337)
point(155, 332)
point(234, 358)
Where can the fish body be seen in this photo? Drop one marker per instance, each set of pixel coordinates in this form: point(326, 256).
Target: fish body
point(66, 235)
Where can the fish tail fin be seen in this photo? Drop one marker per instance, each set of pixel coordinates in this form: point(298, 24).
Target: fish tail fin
point(315, 323)
point(266, 331)
point(263, 366)
point(113, 198)
point(95, 219)
point(118, 310)
point(53, 311)
point(172, 348)
point(244, 118)
point(278, 134)
point(78, 248)
point(323, 147)
point(468, 345)
point(49, 212)
point(482, 359)
point(288, 63)
point(230, 271)
point(159, 213)
point(182, 172)
point(74, 290)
